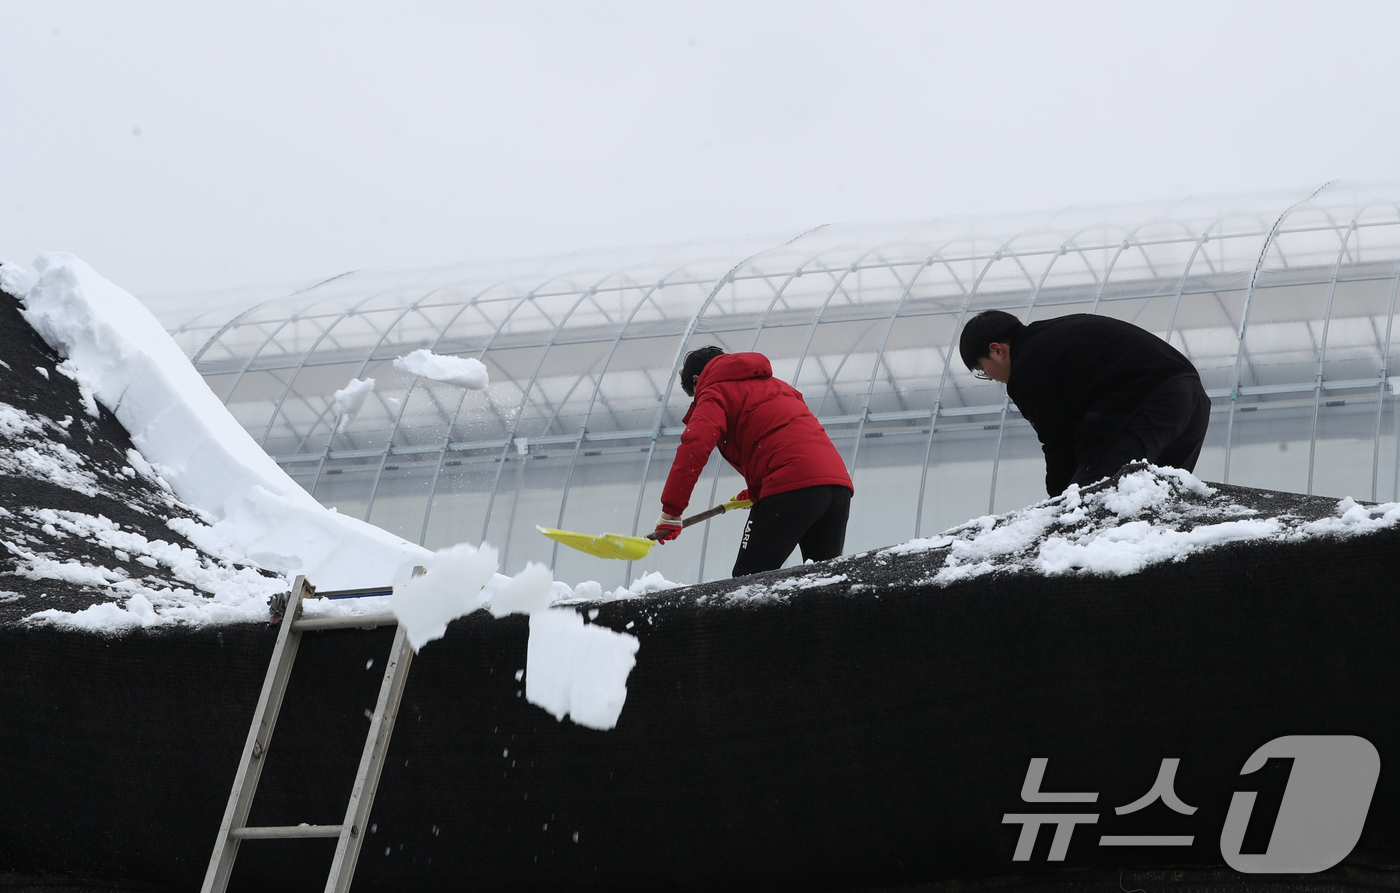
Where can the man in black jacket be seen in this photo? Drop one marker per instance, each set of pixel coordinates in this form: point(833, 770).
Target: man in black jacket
point(1098, 391)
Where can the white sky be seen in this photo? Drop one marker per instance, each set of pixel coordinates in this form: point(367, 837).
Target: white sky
point(185, 147)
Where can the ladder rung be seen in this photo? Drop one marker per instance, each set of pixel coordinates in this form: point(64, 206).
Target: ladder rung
point(272, 832)
point(353, 621)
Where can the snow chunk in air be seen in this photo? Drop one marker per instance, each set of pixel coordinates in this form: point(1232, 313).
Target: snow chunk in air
point(451, 588)
point(465, 372)
point(350, 399)
point(578, 669)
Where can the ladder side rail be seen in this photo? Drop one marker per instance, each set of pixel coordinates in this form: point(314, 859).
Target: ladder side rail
point(357, 811)
point(250, 763)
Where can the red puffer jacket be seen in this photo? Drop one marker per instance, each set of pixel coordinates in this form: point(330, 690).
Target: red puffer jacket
point(762, 427)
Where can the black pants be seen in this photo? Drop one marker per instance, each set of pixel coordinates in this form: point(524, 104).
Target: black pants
point(1168, 429)
point(813, 517)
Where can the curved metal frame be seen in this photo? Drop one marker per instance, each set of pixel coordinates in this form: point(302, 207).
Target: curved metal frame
point(948, 365)
point(1244, 321)
point(1006, 400)
point(768, 269)
point(1322, 345)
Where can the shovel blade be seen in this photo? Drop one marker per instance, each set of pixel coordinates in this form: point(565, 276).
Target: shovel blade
point(609, 545)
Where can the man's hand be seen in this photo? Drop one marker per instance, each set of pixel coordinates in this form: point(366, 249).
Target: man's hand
point(667, 529)
point(742, 497)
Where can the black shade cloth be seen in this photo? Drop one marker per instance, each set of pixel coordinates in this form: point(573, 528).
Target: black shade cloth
point(826, 741)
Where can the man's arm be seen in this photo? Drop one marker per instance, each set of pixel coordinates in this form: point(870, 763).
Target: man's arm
point(1059, 469)
point(708, 422)
point(1040, 404)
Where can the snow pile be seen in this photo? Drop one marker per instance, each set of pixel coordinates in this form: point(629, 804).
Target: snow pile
point(642, 586)
point(121, 357)
point(350, 399)
point(573, 668)
point(1354, 518)
point(465, 372)
point(1145, 517)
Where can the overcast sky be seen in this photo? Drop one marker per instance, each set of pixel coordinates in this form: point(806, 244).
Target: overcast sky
point(183, 146)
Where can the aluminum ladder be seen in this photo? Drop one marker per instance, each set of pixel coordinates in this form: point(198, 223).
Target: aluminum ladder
point(350, 833)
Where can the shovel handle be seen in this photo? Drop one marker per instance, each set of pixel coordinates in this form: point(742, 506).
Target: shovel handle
point(695, 519)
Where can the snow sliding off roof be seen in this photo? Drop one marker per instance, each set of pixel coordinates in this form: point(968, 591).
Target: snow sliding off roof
point(1284, 302)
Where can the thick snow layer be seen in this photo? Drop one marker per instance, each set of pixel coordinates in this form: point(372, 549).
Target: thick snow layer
point(466, 372)
point(350, 399)
point(119, 354)
point(14, 279)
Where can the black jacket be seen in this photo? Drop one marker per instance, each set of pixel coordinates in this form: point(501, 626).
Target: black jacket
point(1077, 378)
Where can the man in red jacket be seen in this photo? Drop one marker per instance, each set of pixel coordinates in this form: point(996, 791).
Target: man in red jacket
point(799, 486)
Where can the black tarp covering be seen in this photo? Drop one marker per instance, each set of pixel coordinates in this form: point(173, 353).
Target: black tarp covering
point(825, 741)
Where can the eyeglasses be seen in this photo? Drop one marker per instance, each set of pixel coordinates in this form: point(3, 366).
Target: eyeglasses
point(979, 374)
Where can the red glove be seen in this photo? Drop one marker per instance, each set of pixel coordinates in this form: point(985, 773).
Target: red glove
point(666, 530)
point(743, 495)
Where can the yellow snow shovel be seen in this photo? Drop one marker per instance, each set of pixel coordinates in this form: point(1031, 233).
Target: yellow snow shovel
point(630, 548)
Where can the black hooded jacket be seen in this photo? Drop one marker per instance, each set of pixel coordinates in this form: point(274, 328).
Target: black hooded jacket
point(1078, 378)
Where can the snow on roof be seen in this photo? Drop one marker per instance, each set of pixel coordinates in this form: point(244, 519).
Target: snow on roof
point(85, 522)
point(120, 355)
point(1143, 516)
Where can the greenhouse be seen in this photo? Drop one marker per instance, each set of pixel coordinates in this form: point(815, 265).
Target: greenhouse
point(1285, 303)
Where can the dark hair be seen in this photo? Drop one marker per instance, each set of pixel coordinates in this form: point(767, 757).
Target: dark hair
point(694, 364)
point(985, 328)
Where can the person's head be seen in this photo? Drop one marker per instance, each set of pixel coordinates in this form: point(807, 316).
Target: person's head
point(694, 364)
point(985, 344)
